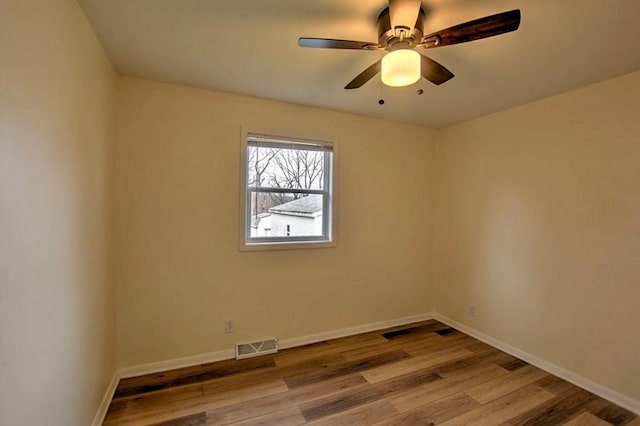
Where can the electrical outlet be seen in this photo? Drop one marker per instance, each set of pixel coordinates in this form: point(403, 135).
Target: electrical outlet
point(471, 310)
point(229, 326)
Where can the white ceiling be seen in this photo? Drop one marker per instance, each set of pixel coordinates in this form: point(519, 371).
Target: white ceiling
point(250, 47)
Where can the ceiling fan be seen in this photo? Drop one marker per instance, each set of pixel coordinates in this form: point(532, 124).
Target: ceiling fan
point(400, 31)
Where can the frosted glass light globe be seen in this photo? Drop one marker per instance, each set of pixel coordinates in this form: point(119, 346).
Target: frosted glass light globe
point(401, 68)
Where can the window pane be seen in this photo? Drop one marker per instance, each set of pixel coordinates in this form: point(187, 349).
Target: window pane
point(285, 168)
point(285, 215)
point(288, 198)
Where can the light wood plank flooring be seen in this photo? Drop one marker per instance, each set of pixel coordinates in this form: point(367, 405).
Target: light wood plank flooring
point(419, 374)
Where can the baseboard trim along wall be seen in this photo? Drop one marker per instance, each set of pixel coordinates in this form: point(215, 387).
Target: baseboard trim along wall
point(595, 388)
point(172, 364)
point(156, 367)
point(106, 400)
point(315, 338)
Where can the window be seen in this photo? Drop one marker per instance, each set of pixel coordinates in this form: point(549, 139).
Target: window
point(287, 198)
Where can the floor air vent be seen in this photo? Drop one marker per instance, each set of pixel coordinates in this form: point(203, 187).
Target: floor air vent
point(260, 347)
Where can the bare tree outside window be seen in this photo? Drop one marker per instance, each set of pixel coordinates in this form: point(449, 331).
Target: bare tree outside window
point(298, 169)
point(283, 168)
point(258, 162)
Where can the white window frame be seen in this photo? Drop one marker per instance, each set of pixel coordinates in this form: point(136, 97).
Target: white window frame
point(327, 239)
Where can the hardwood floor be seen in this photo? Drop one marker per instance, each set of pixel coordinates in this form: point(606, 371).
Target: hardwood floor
point(420, 374)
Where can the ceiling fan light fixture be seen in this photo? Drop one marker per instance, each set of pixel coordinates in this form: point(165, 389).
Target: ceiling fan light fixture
point(401, 68)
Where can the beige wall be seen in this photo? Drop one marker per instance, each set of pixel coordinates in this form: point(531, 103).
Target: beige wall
point(57, 328)
point(536, 223)
point(539, 227)
point(180, 274)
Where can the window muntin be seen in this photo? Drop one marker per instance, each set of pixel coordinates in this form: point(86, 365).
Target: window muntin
point(288, 192)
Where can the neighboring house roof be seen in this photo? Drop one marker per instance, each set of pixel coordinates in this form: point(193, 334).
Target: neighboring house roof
point(311, 205)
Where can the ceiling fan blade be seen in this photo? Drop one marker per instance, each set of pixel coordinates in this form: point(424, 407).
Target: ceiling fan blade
point(329, 43)
point(488, 26)
point(434, 72)
point(404, 13)
point(365, 76)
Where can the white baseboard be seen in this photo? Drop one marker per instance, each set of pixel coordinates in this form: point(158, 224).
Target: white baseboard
point(156, 367)
point(602, 391)
point(106, 400)
point(172, 364)
point(365, 328)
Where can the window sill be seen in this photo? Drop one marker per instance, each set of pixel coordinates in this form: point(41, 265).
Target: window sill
point(244, 247)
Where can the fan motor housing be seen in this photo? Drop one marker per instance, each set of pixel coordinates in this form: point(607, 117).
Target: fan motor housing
point(389, 39)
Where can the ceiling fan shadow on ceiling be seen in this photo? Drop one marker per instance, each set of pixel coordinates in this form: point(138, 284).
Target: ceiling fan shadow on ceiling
point(401, 30)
